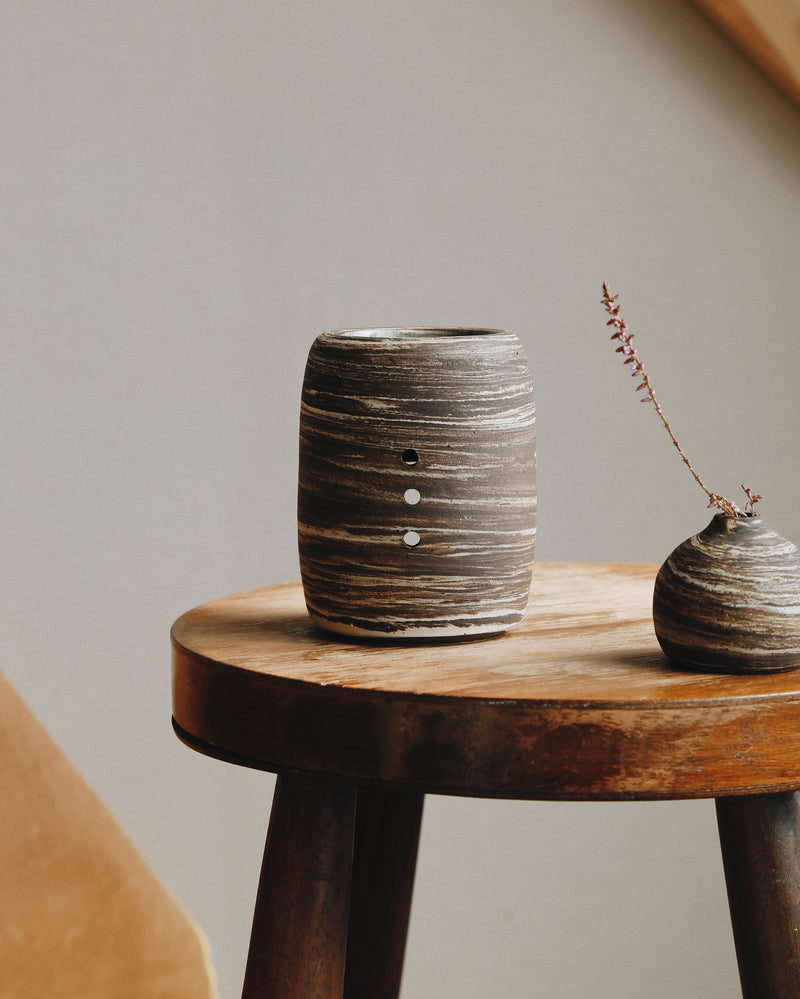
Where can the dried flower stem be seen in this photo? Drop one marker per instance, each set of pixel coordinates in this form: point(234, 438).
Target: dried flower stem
point(627, 349)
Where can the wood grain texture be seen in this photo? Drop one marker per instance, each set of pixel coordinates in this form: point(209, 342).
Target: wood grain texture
point(577, 702)
point(417, 482)
point(760, 840)
point(384, 863)
point(728, 599)
point(298, 945)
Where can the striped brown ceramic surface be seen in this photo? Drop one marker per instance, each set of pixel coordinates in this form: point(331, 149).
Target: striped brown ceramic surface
point(417, 482)
point(728, 599)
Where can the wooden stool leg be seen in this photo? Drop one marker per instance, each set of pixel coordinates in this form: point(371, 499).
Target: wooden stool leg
point(760, 839)
point(387, 834)
point(299, 941)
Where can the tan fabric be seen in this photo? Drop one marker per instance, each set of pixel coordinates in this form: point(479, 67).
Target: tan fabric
point(81, 915)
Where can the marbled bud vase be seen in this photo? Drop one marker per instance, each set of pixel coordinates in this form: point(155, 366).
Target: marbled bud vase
point(728, 599)
point(417, 482)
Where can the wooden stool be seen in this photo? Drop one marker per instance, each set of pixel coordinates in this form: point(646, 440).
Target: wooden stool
point(577, 703)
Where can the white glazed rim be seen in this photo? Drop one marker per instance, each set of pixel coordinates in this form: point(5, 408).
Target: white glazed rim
point(395, 333)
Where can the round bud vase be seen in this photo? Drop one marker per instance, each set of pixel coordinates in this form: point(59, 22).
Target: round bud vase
point(728, 599)
point(417, 482)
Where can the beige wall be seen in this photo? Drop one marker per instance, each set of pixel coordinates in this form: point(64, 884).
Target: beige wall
point(190, 192)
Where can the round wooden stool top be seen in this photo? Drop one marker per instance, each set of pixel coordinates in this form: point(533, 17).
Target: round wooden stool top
point(577, 702)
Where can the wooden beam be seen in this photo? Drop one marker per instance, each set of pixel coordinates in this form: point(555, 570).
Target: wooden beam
point(768, 31)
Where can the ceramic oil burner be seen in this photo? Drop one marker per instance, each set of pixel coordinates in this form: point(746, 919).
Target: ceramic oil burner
point(728, 599)
point(417, 482)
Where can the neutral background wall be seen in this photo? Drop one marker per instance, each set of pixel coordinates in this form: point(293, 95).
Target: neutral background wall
point(191, 191)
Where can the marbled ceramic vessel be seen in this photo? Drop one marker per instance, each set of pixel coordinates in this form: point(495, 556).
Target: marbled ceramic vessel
point(728, 599)
point(417, 482)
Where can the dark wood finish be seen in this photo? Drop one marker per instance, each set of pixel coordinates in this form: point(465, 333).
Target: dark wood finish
point(299, 942)
point(577, 702)
point(760, 839)
point(728, 599)
point(387, 835)
point(417, 481)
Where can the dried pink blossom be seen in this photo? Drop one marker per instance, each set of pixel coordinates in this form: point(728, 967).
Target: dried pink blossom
point(611, 305)
point(752, 499)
